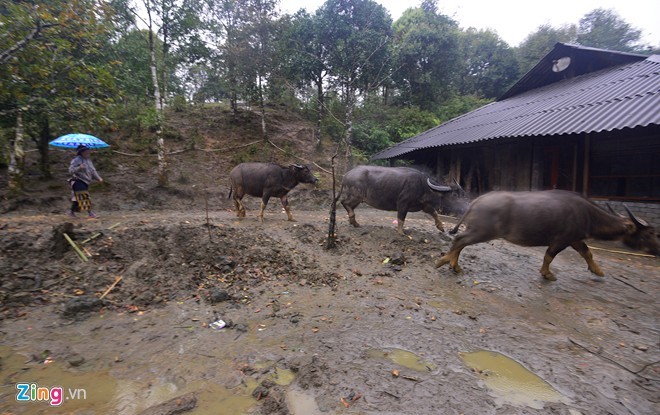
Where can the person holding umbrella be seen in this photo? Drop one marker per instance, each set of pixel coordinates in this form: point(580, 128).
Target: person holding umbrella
point(81, 169)
point(82, 173)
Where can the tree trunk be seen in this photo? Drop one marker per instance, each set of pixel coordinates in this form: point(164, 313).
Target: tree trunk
point(320, 109)
point(160, 142)
point(331, 242)
point(16, 157)
point(262, 108)
point(42, 144)
point(348, 133)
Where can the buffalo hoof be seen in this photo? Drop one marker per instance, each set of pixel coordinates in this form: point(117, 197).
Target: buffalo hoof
point(550, 276)
point(597, 271)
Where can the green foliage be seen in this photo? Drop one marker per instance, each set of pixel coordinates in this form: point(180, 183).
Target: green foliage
point(538, 44)
point(148, 119)
point(459, 105)
point(605, 29)
point(356, 36)
point(426, 52)
point(490, 66)
point(179, 103)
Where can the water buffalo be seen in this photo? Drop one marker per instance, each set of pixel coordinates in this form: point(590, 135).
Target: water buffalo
point(553, 218)
point(400, 189)
point(266, 180)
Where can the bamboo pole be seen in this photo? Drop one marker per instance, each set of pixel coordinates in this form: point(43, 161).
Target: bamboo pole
point(96, 235)
point(621, 252)
point(111, 287)
point(80, 253)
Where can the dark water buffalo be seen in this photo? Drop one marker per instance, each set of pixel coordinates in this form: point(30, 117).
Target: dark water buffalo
point(266, 180)
point(553, 218)
point(400, 189)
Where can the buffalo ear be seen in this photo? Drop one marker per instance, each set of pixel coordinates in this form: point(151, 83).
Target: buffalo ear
point(630, 226)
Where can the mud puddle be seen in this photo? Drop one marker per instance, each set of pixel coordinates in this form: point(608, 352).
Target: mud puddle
point(30, 387)
point(402, 358)
point(302, 403)
point(511, 382)
point(37, 387)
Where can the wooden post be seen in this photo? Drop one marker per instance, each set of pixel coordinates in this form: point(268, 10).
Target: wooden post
point(575, 166)
point(331, 242)
point(585, 169)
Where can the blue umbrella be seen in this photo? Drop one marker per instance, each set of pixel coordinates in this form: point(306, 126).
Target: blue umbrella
point(74, 140)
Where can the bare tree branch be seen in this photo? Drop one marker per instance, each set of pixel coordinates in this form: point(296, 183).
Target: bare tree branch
point(7, 54)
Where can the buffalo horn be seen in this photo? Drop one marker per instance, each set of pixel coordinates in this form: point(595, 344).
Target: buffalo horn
point(436, 187)
point(612, 210)
point(639, 222)
point(457, 184)
point(298, 166)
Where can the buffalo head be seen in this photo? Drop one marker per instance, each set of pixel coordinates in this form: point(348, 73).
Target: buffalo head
point(302, 173)
point(641, 236)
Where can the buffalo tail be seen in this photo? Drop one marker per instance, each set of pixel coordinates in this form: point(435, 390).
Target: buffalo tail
point(455, 228)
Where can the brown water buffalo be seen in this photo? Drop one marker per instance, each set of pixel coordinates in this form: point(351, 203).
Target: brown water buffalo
point(266, 180)
point(553, 218)
point(400, 189)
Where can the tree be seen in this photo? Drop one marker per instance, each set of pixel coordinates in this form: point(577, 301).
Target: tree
point(538, 44)
point(59, 80)
point(158, 102)
point(259, 35)
point(225, 20)
point(605, 29)
point(304, 54)
point(357, 34)
point(426, 48)
point(490, 65)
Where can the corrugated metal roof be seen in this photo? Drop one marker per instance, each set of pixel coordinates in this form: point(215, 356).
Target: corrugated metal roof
point(621, 96)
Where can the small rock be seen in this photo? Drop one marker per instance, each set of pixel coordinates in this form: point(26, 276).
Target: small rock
point(76, 360)
point(641, 347)
point(218, 296)
point(302, 282)
point(82, 304)
point(398, 258)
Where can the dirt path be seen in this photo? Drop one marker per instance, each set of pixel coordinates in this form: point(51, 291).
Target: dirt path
point(372, 324)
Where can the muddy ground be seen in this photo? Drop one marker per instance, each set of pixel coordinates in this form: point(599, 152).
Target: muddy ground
point(368, 328)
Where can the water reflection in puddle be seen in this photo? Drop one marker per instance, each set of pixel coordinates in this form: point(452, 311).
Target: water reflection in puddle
point(510, 381)
point(101, 393)
point(402, 358)
point(301, 403)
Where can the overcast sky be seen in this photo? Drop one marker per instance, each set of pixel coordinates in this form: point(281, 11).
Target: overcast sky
point(513, 20)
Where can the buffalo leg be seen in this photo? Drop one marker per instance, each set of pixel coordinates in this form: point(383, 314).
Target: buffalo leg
point(461, 241)
point(238, 203)
point(583, 250)
point(436, 218)
point(401, 219)
point(285, 205)
point(451, 257)
point(351, 213)
point(550, 254)
point(264, 203)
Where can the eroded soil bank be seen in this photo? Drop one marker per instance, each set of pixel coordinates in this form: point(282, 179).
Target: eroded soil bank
point(369, 328)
